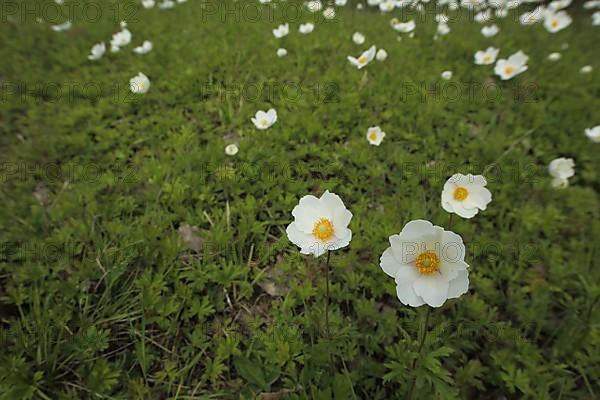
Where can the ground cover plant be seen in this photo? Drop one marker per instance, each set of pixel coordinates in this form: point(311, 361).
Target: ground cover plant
point(146, 249)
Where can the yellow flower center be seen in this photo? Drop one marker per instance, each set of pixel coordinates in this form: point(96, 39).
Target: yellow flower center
point(487, 58)
point(460, 193)
point(427, 262)
point(554, 23)
point(264, 122)
point(508, 70)
point(362, 60)
point(373, 135)
point(323, 229)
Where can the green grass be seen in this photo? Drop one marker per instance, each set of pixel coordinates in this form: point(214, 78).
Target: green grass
point(100, 298)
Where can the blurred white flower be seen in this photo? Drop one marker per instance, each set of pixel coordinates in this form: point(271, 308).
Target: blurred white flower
point(375, 135)
point(554, 56)
point(447, 75)
point(557, 22)
point(465, 195)
point(281, 52)
point(591, 4)
point(489, 31)
point(596, 18)
point(381, 55)
point(359, 6)
point(65, 26)
point(145, 48)
point(281, 31)
point(364, 58)
point(559, 4)
point(139, 84)
point(483, 16)
point(405, 27)
point(358, 38)
point(486, 57)
point(320, 224)
point(231, 149)
point(441, 19)
point(559, 183)
point(148, 3)
point(443, 29)
point(341, 3)
point(120, 39)
point(515, 65)
point(562, 168)
point(97, 51)
point(166, 4)
point(329, 13)
point(264, 120)
point(387, 6)
point(314, 6)
point(586, 69)
point(501, 12)
point(427, 264)
point(306, 28)
point(593, 133)
point(534, 16)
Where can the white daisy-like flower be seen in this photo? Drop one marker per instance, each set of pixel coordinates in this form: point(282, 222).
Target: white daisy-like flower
point(586, 69)
point(465, 195)
point(441, 18)
point(358, 38)
point(489, 31)
point(515, 65)
point(364, 58)
point(341, 3)
point(593, 133)
point(359, 6)
point(427, 264)
point(97, 51)
point(145, 48)
point(231, 149)
point(501, 12)
point(375, 135)
point(306, 28)
point(443, 29)
point(139, 84)
point(264, 120)
point(281, 52)
point(314, 6)
point(65, 26)
point(166, 5)
point(120, 39)
point(281, 31)
point(562, 168)
point(320, 224)
point(534, 16)
point(557, 21)
point(148, 3)
point(381, 55)
point(329, 13)
point(483, 16)
point(486, 57)
point(447, 75)
point(387, 6)
point(554, 56)
point(405, 27)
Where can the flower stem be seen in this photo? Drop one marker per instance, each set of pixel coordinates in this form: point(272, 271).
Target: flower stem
point(327, 295)
point(414, 364)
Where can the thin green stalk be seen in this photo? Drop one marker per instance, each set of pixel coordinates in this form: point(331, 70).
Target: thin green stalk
point(414, 364)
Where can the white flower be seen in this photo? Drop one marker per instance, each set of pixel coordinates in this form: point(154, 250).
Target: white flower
point(501, 12)
point(373, 3)
point(166, 4)
point(148, 3)
point(443, 29)
point(556, 22)
point(306, 28)
point(586, 69)
point(231, 149)
point(364, 58)
point(320, 224)
point(314, 6)
point(593, 133)
point(489, 31)
point(97, 51)
point(358, 38)
point(264, 120)
point(447, 75)
point(341, 3)
point(465, 195)
point(375, 135)
point(441, 19)
point(62, 27)
point(596, 18)
point(559, 183)
point(146, 47)
point(516, 64)
point(483, 16)
point(591, 4)
point(281, 31)
point(381, 55)
point(405, 27)
point(427, 263)
point(387, 5)
point(486, 57)
point(554, 56)
point(359, 6)
point(533, 17)
point(281, 52)
point(139, 84)
point(559, 4)
point(329, 13)
point(562, 168)
point(120, 39)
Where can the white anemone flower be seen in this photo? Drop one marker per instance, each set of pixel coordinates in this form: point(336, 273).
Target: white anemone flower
point(375, 135)
point(341, 3)
point(120, 39)
point(588, 5)
point(148, 3)
point(231, 149)
point(314, 6)
point(139, 84)
point(516, 64)
point(329, 13)
point(534, 16)
point(306, 28)
point(554, 56)
point(559, 4)
point(427, 264)
point(486, 57)
point(281, 31)
point(562, 168)
point(596, 18)
point(443, 29)
point(145, 48)
point(593, 133)
point(358, 38)
point(483, 16)
point(166, 5)
point(557, 22)
point(586, 69)
point(320, 224)
point(446, 75)
point(381, 55)
point(405, 27)
point(281, 52)
point(387, 6)
point(65, 26)
point(465, 195)
point(364, 58)
point(489, 31)
point(97, 51)
point(264, 120)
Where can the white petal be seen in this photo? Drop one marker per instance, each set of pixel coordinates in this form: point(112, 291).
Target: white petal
point(433, 289)
point(459, 285)
point(407, 296)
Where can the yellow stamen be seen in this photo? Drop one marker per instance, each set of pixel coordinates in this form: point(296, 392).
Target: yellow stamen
point(264, 122)
point(508, 70)
point(323, 229)
point(460, 193)
point(362, 60)
point(373, 135)
point(487, 58)
point(427, 263)
point(554, 23)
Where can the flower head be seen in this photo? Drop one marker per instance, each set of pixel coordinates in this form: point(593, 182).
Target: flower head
point(329, 13)
point(486, 57)
point(281, 31)
point(358, 38)
point(306, 28)
point(364, 58)
point(139, 84)
point(554, 56)
point(562, 168)
point(281, 52)
point(381, 55)
point(404, 27)
point(65, 26)
point(231, 149)
point(320, 224)
point(314, 6)
point(446, 75)
point(593, 133)
point(97, 51)
point(489, 31)
point(427, 263)
point(264, 120)
point(148, 3)
point(145, 48)
point(465, 195)
point(516, 64)
point(555, 22)
point(375, 135)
